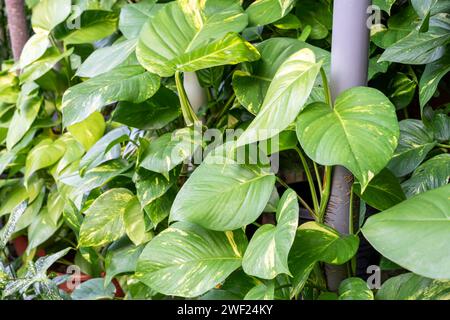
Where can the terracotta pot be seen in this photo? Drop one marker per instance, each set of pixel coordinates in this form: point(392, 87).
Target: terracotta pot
point(83, 278)
point(20, 246)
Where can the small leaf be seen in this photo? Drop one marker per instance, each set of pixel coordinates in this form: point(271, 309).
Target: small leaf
point(121, 259)
point(430, 175)
point(262, 12)
point(431, 76)
point(43, 155)
point(414, 144)
point(88, 131)
point(261, 292)
point(354, 289)
point(128, 83)
point(169, 150)
point(316, 242)
point(105, 59)
point(383, 192)
point(267, 252)
point(104, 221)
point(94, 289)
point(90, 26)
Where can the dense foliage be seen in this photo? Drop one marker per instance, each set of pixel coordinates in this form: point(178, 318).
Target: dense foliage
point(107, 163)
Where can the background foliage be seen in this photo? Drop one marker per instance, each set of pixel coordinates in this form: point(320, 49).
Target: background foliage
point(97, 132)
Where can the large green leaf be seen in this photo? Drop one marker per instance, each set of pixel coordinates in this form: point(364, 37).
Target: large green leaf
point(34, 49)
point(410, 286)
point(223, 194)
point(394, 233)
point(169, 150)
point(88, 131)
point(133, 16)
point(207, 39)
point(267, 252)
point(430, 78)
point(383, 191)
point(414, 144)
point(251, 84)
point(106, 59)
point(128, 83)
point(91, 26)
point(315, 242)
point(187, 260)
point(339, 136)
point(47, 14)
point(28, 105)
point(105, 218)
point(285, 97)
point(153, 114)
point(262, 12)
point(418, 47)
point(43, 155)
point(430, 175)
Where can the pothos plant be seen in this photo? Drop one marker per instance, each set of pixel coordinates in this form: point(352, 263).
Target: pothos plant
point(111, 105)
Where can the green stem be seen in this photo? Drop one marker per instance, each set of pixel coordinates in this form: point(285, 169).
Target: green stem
point(445, 146)
point(190, 118)
point(326, 88)
point(224, 110)
point(325, 193)
point(318, 177)
point(303, 202)
point(310, 179)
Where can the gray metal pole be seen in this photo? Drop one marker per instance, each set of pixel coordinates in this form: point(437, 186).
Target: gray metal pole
point(349, 65)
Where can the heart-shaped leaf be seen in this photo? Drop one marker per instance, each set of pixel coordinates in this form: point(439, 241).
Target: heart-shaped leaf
point(339, 136)
point(205, 40)
point(186, 260)
point(315, 242)
point(223, 194)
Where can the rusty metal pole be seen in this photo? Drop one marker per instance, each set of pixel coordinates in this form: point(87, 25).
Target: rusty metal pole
point(17, 25)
